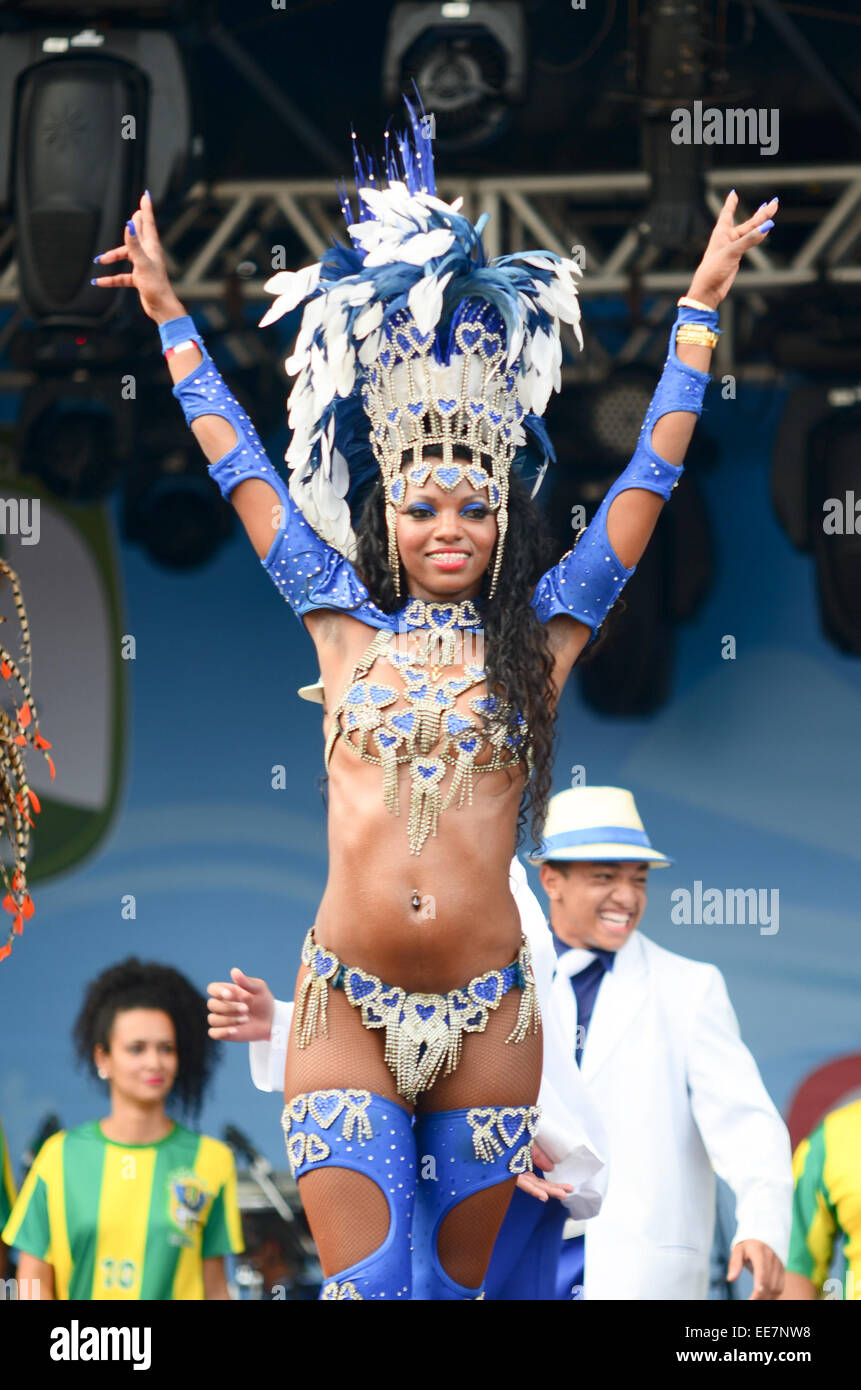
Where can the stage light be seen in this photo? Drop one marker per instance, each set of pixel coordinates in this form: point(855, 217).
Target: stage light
point(595, 429)
point(816, 489)
point(174, 514)
point(170, 506)
point(469, 61)
point(671, 75)
point(75, 434)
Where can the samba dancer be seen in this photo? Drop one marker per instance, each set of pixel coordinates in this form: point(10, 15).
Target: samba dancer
point(422, 375)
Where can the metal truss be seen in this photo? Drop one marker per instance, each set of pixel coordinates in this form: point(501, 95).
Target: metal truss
point(240, 231)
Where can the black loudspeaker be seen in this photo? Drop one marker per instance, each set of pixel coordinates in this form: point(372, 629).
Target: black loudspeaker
point(79, 161)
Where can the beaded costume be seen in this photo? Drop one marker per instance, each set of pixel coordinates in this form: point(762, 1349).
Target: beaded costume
point(424, 1032)
point(410, 733)
point(411, 338)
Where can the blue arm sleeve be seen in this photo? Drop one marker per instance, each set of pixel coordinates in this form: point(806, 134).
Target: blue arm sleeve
point(308, 572)
point(589, 578)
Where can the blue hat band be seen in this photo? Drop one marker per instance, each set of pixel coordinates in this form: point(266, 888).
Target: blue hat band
point(596, 835)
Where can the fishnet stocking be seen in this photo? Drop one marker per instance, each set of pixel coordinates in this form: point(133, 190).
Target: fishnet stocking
point(491, 1072)
point(347, 1212)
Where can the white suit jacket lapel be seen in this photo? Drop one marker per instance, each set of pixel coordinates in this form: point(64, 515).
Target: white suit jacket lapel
point(563, 996)
point(622, 995)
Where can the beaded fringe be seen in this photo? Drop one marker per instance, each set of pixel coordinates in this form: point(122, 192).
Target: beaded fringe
point(423, 1032)
point(310, 1011)
point(529, 1012)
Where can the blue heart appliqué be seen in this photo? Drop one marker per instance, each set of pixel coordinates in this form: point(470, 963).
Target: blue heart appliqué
point(381, 693)
point(510, 1126)
point(322, 962)
point(359, 988)
point(326, 1106)
point(446, 406)
point(455, 724)
point(425, 1011)
point(487, 990)
point(447, 475)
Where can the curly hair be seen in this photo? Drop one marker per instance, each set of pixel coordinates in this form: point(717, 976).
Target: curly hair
point(136, 984)
point(517, 651)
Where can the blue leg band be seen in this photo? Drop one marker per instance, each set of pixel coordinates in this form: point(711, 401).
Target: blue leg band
point(368, 1134)
point(460, 1152)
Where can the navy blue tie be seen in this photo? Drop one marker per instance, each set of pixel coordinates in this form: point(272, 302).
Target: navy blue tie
point(585, 987)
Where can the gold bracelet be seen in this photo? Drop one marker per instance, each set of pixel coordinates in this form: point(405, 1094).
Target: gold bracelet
point(696, 334)
point(695, 304)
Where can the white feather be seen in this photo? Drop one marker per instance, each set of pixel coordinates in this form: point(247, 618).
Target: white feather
point(368, 320)
point(370, 348)
point(541, 351)
point(415, 250)
point(425, 300)
point(291, 286)
point(340, 473)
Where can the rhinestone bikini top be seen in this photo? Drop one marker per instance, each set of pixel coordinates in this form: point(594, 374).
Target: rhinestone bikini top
point(429, 732)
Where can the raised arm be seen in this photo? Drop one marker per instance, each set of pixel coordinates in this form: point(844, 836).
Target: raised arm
point(309, 573)
point(576, 595)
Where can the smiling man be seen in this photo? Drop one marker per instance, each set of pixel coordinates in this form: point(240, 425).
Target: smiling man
point(659, 1048)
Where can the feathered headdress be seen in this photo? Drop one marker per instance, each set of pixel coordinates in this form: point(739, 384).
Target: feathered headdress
point(411, 337)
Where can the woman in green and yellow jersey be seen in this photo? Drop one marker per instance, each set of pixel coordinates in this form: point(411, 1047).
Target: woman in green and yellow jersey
point(133, 1206)
point(7, 1195)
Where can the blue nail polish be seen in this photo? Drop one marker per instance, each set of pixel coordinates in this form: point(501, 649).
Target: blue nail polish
point(92, 282)
point(148, 194)
point(131, 227)
point(96, 259)
point(761, 206)
point(765, 226)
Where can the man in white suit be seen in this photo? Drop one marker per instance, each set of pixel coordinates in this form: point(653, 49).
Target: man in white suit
point(659, 1048)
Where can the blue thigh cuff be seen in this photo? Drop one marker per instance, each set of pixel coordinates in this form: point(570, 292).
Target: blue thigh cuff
point(460, 1152)
point(371, 1135)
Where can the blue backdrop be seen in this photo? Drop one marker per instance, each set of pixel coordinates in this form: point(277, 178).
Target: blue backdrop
point(748, 777)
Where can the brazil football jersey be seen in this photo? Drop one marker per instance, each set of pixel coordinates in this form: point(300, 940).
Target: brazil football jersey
point(827, 1199)
point(127, 1221)
point(7, 1186)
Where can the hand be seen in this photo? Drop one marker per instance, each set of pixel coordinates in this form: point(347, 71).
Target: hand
point(241, 1011)
point(540, 1187)
point(761, 1260)
point(718, 268)
point(149, 270)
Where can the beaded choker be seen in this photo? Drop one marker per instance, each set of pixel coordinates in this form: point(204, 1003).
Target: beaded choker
point(440, 616)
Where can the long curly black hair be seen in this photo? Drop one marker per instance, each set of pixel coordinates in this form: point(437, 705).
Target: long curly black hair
point(136, 984)
point(516, 649)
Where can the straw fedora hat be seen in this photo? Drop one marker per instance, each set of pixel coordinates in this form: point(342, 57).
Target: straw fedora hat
point(596, 823)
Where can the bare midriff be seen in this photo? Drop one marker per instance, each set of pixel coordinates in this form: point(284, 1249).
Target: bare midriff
point(466, 921)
